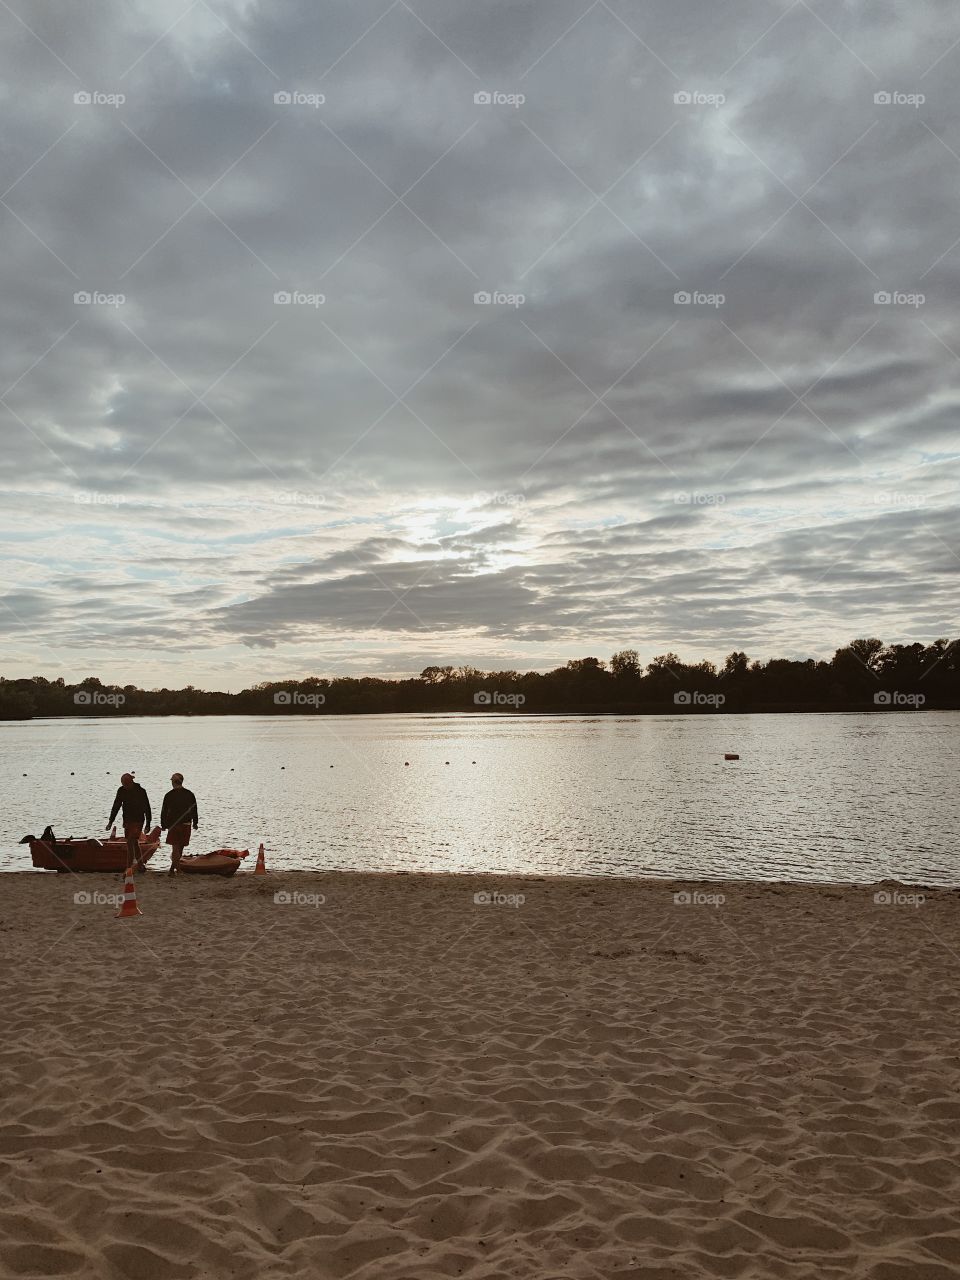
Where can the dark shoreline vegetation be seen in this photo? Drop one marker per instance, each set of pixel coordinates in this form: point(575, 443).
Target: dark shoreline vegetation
point(864, 675)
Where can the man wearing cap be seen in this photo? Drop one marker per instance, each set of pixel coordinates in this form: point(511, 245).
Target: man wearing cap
point(179, 817)
point(132, 798)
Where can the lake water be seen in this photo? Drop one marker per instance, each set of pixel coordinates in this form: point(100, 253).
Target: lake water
point(813, 797)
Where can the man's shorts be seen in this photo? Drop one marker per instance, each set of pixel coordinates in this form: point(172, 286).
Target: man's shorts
point(132, 830)
point(180, 834)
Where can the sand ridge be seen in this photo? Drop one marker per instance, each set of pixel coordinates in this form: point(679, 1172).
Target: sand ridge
point(399, 1081)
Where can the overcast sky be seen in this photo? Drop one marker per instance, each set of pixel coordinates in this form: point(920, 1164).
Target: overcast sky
point(203, 484)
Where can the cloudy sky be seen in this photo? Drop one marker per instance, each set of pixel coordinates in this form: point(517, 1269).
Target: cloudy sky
point(288, 435)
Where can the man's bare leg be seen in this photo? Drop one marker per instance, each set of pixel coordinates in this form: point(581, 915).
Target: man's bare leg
point(176, 853)
point(133, 854)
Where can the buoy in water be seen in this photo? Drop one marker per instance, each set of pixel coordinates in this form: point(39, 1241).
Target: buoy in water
point(730, 755)
point(406, 764)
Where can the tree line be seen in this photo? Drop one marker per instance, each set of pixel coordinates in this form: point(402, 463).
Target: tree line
point(864, 674)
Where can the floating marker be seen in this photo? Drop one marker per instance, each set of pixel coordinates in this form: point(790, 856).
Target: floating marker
point(406, 764)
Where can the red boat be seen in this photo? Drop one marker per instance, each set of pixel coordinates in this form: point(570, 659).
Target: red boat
point(220, 862)
point(88, 855)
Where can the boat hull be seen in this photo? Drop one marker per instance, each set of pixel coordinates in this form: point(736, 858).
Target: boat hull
point(90, 855)
point(218, 863)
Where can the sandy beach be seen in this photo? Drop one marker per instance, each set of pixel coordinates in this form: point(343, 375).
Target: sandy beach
point(399, 1081)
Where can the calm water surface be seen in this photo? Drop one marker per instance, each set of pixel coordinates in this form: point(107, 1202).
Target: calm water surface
point(813, 797)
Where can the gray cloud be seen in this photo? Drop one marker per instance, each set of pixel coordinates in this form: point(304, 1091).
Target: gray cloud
point(594, 466)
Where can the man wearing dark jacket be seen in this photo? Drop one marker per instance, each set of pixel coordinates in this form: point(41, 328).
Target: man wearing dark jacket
point(135, 803)
point(179, 817)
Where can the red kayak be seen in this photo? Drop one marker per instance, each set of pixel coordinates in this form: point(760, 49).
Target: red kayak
point(220, 862)
point(89, 855)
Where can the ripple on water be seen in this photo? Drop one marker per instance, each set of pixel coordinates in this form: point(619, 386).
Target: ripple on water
point(813, 797)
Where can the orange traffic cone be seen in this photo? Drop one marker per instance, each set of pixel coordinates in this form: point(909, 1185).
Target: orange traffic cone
point(260, 869)
point(129, 906)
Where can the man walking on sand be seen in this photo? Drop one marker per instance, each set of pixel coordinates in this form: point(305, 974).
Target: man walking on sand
point(135, 803)
point(178, 816)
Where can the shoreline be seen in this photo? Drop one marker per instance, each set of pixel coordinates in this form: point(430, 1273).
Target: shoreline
point(767, 709)
point(155, 869)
